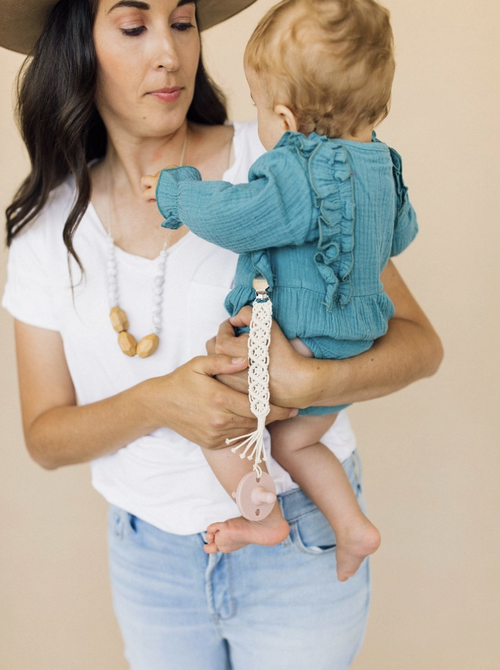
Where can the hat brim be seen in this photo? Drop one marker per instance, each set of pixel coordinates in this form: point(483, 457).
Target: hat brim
point(22, 21)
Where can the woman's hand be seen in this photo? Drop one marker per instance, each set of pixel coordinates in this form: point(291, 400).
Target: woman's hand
point(202, 409)
point(409, 351)
point(290, 373)
point(189, 400)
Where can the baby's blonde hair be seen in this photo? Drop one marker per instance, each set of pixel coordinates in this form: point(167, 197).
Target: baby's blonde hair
point(330, 61)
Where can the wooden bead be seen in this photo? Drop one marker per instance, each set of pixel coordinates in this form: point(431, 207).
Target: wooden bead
point(127, 343)
point(148, 345)
point(119, 319)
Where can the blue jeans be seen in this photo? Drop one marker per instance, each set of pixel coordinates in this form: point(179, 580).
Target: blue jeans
point(260, 608)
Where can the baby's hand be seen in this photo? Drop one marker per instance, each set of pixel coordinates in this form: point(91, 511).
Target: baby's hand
point(149, 183)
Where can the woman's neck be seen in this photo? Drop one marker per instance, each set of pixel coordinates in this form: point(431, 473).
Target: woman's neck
point(128, 159)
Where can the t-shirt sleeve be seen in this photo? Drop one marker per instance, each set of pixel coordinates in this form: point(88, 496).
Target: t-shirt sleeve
point(406, 225)
point(27, 294)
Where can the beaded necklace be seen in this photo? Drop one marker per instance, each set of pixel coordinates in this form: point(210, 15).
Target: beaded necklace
point(128, 344)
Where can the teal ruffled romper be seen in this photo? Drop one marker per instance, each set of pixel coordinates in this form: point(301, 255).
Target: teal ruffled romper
point(319, 218)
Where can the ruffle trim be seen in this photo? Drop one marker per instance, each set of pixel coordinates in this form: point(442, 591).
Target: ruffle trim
point(348, 331)
point(406, 227)
point(167, 193)
point(330, 175)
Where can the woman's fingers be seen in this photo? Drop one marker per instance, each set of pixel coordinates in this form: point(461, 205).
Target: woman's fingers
point(243, 317)
point(237, 381)
point(193, 403)
point(290, 376)
point(226, 342)
point(219, 364)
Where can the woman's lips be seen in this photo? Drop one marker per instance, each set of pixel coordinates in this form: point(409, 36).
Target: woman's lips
point(167, 94)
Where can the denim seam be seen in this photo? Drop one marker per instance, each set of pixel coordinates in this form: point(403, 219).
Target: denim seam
point(302, 516)
point(298, 542)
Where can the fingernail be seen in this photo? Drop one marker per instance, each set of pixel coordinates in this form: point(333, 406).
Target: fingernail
point(294, 412)
point(238, 361)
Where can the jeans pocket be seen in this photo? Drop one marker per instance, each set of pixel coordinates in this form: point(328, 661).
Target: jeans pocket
point(312, 534)
point(121, 522)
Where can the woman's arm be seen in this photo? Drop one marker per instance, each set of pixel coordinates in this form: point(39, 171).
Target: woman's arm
point(189, 400)
point(409, 351)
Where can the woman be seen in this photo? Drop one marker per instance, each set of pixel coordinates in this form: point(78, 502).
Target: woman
point(128, 96)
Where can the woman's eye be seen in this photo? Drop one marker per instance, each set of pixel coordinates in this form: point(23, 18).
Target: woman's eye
point(133, 32)
point(182, 26)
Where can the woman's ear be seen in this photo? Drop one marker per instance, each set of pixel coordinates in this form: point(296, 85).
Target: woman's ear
point(287, 118)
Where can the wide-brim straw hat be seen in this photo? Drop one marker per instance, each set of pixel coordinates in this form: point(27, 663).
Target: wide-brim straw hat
point(22, 21)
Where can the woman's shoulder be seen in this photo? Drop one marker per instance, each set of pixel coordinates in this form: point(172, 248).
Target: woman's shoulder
point(50, 221)
point(228, 150)
point(246, 139)
point(247, 148)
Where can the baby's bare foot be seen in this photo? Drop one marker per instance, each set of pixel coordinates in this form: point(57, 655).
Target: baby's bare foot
point(236, 533)
point(354, 544)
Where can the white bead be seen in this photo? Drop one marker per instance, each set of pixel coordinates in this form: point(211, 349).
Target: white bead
point(158, 282)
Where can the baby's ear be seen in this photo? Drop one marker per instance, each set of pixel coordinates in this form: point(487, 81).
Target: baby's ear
point(287, 118)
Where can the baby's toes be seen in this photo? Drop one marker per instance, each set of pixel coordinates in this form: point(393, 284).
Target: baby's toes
point(214, 528)
point(210, 548)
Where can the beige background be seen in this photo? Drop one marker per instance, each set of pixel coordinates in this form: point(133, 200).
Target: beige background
point(430, 452)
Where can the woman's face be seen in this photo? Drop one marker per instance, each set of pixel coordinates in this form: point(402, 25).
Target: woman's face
point(147, 55)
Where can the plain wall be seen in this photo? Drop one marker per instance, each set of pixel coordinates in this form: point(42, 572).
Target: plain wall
point(430, 451)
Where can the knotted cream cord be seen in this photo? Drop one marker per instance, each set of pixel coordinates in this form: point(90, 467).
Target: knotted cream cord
point(258, 376)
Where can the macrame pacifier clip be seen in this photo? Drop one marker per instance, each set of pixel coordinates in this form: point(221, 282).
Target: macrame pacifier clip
point(256, 492)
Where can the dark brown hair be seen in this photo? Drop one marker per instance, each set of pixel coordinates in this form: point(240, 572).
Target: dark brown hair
point(58, 118)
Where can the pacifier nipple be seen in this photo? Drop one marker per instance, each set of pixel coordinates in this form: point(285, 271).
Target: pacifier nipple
point(261, 496)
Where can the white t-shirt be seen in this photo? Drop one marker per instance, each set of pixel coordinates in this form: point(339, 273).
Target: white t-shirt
point(162, 477)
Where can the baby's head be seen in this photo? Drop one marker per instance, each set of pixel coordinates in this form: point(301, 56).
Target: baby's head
point(330, 63)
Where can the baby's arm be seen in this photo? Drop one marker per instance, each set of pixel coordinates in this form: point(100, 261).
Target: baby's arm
point(273, 209)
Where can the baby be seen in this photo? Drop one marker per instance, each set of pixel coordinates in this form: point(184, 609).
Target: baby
point(323, 211)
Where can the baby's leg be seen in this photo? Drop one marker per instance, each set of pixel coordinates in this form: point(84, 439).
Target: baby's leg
point(295, 445)
point(233, 534)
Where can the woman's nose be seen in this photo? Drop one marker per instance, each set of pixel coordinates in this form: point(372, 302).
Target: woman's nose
point(167, 56)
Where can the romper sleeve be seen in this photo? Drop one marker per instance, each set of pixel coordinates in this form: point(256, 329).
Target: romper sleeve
point(27, 295)
point(274, 209)
point(405, 226)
